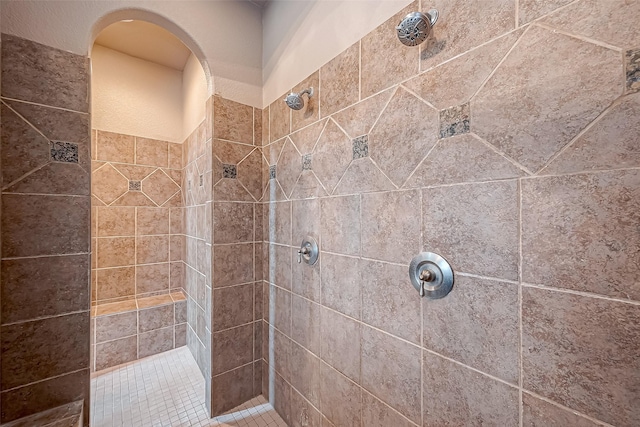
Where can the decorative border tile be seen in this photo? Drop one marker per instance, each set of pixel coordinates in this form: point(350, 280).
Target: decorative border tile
point(632, 70)
point(272, 172)
point(135, 186)
point(201, 180)
point(361, 147)
point(65, 152)
point(455, 121)
point(306, 162)
point(229, 171)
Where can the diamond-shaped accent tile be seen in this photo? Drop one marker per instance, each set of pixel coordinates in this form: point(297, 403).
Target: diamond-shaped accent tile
point(159, 187)
point(361, 147)
point(135, 186)
point(289, 167)
point(454, 121)
point(306, 162)
point(65, 152)
point(332, 155)
point(632, 70)
point(405, 132)
point(530, 113)
point(229, 171)
point(108, 184)
point(250, 173)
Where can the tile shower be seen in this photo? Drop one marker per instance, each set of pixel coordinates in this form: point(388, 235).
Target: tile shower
point(508, 145)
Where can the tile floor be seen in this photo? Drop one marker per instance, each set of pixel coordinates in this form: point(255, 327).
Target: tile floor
point(166, 390)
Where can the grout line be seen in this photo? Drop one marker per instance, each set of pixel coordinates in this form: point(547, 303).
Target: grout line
point(501, 154)
point(581, 293)
point(577, 36)
point(39, 318)
point(5, 98)
point(520, 330)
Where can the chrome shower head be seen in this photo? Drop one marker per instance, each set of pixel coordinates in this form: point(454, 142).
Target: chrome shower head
point(295, 101)
point(416, 26)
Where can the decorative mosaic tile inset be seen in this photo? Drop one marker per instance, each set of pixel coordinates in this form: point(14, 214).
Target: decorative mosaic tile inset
point(306, 162)
point(632, 69)
point(361, 147)
point(229, 171)
point(454, 121)
point(272, 172)
point(134, 186)
point(66, 152)
point(201, 180)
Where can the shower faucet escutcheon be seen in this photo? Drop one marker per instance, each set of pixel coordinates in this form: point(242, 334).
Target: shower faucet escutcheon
point(308, 251)
point(431, 275)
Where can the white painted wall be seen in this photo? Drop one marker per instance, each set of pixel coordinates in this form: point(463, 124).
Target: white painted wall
point(225, 34)
point(301, 36)
point(194, 96)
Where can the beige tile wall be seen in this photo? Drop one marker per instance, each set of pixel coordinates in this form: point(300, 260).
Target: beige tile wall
point(45, 163)
point(510, 146)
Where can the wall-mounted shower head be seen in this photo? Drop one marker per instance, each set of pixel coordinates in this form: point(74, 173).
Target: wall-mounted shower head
point(295, 101)
point(416, 26)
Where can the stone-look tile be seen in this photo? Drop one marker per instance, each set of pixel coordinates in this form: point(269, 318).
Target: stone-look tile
point(538, 413)
point(38, 357)
point(152, 152)
point(340, 81)
point(582, 352)
point(455, 121)
point(116, 307)
point(306, 138)
point(390, 304)
point(23, 148)
point(250, 174)
point(391, 225)
point(45, 395)
point(257, 132)
point(232, 264)
point(341, 284)
point(159, 187)
point(305, 373)
point(280, 314)
point(177, 244)
point(561, 91)
point(152, 249)
point(331, 156)
point(455, 395)
point(176, 220)
point(305, 325)
point(152, 221)
point(311, 111)
point(233, 222)
point(282, 399)
point(115, 221)
point(385, 61)
point(265, 127)
point(231, 348)
point(612, 142)
point(180, 311)
point(340, 399)
point(340, 218)
point(279, 265)
point(232, 121)
point(477, 324)
point(115, 283)
point(54, 178)
point(231, 389)
point(257, 340)
point(528, 10)
point(360, 147)
point(289, 167)
point(115, 147)
point(176, 275)
point(340, 343)
point(130, 171)
point(303, 414)
point(279, 222)
point(308, 186)
point(306, 162)
point(44, 286)
point(582, 19)
point(474, 227)
point(444, 163)
point(363, 176)
point(377, 414)
point(455, 82)
point(231, 190)
point(305, 220)
point(358, 119)
point(461, 27)
point(54, 77)
point(116, 326)
point(150, 319)
point(64, 152)
point(281, 354)
point(279, 119)
point(233, 306)
point(154, 342)
point(45, 225)
point(584, 228)
point(108, 184)
point(117, 352)
point(133, 198)
point(117, 251)
point(405, 132)
point(257, 300)
point(391, 371)
point(229, 171)
point(175, 156)
point(180, 335)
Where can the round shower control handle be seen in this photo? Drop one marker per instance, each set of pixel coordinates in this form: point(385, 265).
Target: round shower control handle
point(431, 275)
point(308, 251)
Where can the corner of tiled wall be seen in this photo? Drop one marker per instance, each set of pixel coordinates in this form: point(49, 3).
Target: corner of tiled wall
point(45, 155)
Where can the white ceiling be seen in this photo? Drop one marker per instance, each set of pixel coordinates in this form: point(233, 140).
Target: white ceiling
point(146, 41)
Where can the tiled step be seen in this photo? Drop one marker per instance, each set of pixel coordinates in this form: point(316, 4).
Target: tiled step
point(69, 415)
